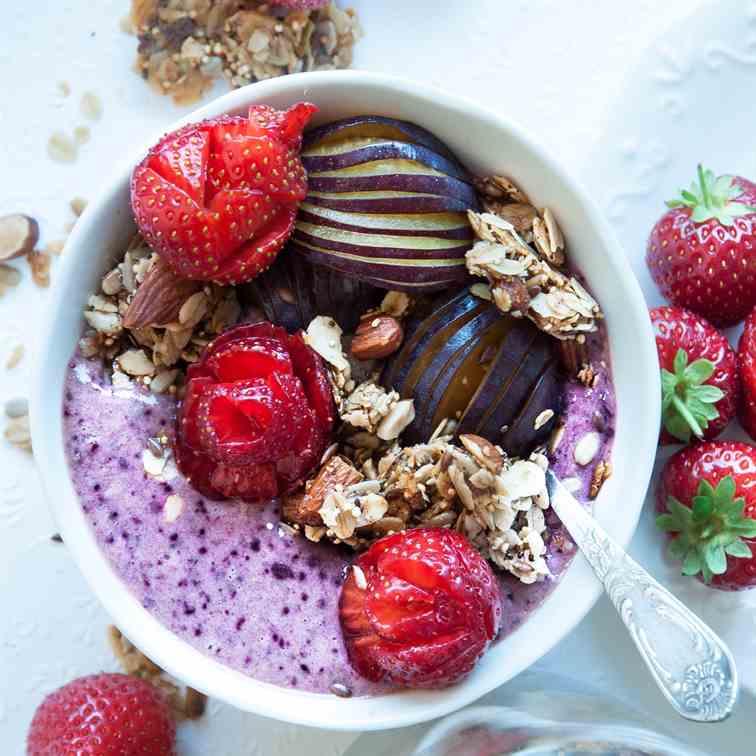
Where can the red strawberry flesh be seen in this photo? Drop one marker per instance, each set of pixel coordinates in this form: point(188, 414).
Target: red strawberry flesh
point(427, 611)
point(747, 372)
point(217, 199)
point(250, 424)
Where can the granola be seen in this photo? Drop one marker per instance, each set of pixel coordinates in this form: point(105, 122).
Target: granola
point(498, 503)
point(153, 352)
point(185, 45)
point(524, 281)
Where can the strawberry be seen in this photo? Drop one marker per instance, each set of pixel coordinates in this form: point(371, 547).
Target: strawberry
point(103, 715)
point(217, 199)
point(419, 608)
point(256, 416)
point(701, 252)
point(706, 498)
point(699, 376)
point(747, 370)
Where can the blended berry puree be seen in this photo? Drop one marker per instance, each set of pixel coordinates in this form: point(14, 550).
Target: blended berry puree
point(225, 576)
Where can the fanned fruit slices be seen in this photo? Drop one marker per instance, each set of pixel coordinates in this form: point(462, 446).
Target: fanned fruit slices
point(387, 204)
point(498, 376)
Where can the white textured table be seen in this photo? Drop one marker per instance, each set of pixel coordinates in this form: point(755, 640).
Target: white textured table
point(551, 65)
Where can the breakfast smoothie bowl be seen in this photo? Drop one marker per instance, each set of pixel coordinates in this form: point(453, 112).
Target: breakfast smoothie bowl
point(313, 352)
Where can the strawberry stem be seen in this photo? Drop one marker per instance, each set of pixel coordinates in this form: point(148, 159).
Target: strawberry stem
point(713, 197)
point(687, 415)
point(704, 188)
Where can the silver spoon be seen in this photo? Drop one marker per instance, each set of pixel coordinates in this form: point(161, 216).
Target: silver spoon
point(692, 666)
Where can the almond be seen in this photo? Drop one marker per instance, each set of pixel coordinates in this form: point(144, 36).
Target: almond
point(18, 235)
point(377, 337)
point(160, 297)
point(303, 507)
point(511, 295)
point(484, 452)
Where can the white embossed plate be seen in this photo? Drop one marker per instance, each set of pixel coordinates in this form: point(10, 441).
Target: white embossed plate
point(690, 98)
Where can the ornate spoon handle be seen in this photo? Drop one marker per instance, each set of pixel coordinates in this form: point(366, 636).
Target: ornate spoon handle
point(691, 665)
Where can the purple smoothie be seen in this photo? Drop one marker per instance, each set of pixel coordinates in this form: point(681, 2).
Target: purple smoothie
point(225, 577)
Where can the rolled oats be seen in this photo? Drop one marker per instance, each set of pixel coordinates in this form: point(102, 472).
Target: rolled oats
point(558, 304)
point(18, 433)
point(15, 357)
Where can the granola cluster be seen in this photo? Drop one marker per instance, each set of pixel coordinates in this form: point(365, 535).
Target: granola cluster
point(146, 326)
point(184, 45)
point(498, 503)
point(524, 280)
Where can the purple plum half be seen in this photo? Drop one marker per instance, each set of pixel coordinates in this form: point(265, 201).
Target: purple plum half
point(494, 374)
point(293, 292)
point(386, 204)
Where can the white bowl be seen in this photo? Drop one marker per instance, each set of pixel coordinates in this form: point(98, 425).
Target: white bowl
point(487, 143)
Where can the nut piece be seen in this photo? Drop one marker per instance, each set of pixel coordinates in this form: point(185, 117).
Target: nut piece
point(377, 337)
point(587, 448)
point(511, 295)
point(18, 235)
point(601, 473)
point(484, 452)
point(160, 297)
point(303, 507)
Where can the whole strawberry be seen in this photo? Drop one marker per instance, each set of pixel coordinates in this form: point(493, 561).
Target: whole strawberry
point(699, 376)
point(217, 199)
point(702, 251)
point(707, 500)
point(103, 715)
point(747, 369)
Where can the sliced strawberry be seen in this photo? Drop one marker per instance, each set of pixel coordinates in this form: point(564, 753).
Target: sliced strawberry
point(217, 199)
point(187, 417)
point(428, 611)
point(197, 468)
point(285, 125)
point(247, 358)
point(248, 482)
point(181, 158)
point(242, 422)
point(257, 256)
point(247, 404)
point(309, 366)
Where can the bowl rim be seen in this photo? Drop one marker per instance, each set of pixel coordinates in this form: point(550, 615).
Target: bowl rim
point(396, 709)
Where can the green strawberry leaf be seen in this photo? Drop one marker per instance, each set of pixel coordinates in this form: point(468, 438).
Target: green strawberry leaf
point(711, 197)
point(688, 403)
point(739, 549)
point(698, 372)
point(708, 394)
point(692, 563)
point(703, 507)
point(716, 559)
point(708, 530)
